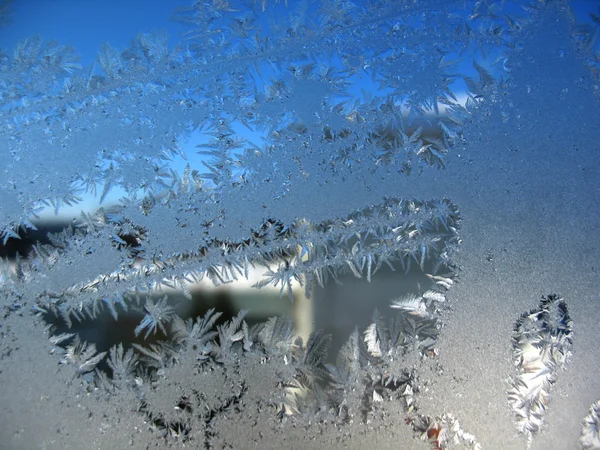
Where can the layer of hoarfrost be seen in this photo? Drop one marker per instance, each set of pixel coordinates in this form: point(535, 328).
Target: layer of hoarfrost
point(297, 84)
point(183, 384)
point(542, 343)
point(290, 74)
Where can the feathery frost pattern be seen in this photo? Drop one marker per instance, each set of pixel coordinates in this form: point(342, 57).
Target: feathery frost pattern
point(409, 233)
point(542, 343)
point(276, 91)
point(291, 82)
point(590, 428)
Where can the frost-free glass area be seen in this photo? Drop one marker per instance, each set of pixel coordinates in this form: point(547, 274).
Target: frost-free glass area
point(328, 224)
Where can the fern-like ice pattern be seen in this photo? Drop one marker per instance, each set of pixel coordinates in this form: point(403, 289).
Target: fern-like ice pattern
point(274, 89)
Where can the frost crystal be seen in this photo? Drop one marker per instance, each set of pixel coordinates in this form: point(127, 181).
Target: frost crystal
point(542, 342)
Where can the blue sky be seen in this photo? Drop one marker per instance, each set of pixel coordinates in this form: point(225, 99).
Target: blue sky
point(86, 24)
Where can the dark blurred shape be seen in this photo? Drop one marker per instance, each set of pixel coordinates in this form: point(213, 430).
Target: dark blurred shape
point(5, 13)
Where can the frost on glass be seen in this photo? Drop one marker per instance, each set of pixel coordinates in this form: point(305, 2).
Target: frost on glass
point(295, 84)
point(295, 102)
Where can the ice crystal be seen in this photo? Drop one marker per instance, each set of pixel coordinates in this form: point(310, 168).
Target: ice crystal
point(123, 365)
point(156, 314)
point(542, 342)
point(83, 356)
point(590, 429)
